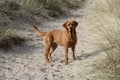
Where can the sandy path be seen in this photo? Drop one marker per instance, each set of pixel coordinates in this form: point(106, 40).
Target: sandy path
point(27, 62)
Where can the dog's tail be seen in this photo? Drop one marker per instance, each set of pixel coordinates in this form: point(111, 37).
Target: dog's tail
point(39, 33)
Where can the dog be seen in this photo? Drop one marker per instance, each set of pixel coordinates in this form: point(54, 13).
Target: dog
point(66, 38)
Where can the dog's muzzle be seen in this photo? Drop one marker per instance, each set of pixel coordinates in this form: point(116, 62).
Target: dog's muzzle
point(71, 29)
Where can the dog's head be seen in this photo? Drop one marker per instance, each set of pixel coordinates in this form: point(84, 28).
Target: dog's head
point(70, 25)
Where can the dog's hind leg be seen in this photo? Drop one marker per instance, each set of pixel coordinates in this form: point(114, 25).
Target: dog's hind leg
point(47, 49)
point(52, 49)
point(47, 53)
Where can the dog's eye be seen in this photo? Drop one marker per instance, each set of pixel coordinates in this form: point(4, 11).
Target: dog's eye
point(69, 24)
point(72, 24)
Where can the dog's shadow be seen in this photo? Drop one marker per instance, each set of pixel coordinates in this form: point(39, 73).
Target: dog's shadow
point(91, 54)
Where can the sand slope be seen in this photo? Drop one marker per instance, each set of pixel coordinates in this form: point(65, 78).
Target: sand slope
point(27, 62)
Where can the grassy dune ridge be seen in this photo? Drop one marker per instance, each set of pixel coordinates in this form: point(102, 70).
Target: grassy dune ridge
point(105, 16)
point(53, 8)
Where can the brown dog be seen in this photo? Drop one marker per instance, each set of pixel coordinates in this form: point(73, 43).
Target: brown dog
point(66, 38)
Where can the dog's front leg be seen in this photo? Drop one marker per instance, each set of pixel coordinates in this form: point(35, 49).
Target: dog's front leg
point(66, 55)
point(73, 52)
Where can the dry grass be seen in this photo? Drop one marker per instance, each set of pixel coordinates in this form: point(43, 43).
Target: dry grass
point(53, 8)
point(105, 15)
point(8, 37)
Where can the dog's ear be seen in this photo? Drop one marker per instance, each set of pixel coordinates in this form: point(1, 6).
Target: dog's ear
point(65, 24)
point(75, 23)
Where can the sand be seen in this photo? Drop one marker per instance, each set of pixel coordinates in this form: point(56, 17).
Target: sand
point(27, 62)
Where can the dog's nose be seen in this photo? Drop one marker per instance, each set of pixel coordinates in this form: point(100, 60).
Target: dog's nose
point(70, 27)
